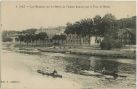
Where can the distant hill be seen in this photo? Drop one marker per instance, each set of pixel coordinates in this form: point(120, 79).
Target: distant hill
point(52, 30)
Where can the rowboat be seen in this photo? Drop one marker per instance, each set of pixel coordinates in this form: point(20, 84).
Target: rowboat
point(28, 51)
point(90, 73)
point(100, 74)
point(49, 74)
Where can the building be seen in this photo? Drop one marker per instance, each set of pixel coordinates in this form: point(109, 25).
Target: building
point(95, 40)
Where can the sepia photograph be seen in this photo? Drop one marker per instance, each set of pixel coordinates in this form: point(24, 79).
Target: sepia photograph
point(68, 45)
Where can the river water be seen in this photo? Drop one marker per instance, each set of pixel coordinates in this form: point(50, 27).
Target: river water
point(68, 65)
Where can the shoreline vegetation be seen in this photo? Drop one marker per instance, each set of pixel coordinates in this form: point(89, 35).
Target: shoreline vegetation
point(99, 53)
point(116, 53)
point(110, 35)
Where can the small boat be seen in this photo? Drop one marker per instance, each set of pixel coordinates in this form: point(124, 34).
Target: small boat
point(67, 52)
point(90, 73)
point(107, 74)
point(54, 75)
point(34, 51)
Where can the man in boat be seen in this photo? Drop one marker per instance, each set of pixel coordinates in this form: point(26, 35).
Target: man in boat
point(47, 72)
point(115, 75)
point(54, 72)
point(112, 73)
point(47, 69)
point(103, 70)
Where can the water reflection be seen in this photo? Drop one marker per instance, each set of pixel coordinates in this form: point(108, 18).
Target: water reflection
point(76, 63)
point(107, 64)
point(97, 64)
point(73, 64)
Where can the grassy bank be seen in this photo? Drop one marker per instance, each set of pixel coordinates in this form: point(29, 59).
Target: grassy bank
point(91, 52)
point(119, 53)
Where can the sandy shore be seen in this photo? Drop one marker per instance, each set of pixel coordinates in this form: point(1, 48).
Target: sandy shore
point(19, 72)
point(16, 74)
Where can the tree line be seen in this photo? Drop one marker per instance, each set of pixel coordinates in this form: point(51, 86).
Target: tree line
point(30, 35)
point(100, 26)
point(107, 26)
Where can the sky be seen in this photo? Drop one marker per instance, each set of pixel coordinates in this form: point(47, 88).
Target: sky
point(24, 15)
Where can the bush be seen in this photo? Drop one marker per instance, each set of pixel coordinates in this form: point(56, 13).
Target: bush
point(7, 39)
point(117, 44)
point(109, 43)
point(106, 44)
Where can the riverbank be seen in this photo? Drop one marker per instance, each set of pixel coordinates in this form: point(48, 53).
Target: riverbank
point(24, 67)
point(92, 52)
point(19, 72)
point(101, 53)
point(115, 53)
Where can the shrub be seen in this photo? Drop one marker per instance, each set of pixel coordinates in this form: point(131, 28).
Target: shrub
point(117, 44)
point(7, 39)
point(109, 43)
point(106, 44)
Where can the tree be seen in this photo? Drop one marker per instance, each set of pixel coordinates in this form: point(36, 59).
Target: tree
point(27, 38)
point(109, 24)
point(21, 38)
point(69, 29)
point(42, 36)
point(7, 35)
point(62, 37)
point(127, 22)
point(109, 42)
point(7, 39)
point(30, 36)
point(27, 35)
point(58, 38)
point(83, 27)
point(106, 43)
point(98, 25)
point(87, 27)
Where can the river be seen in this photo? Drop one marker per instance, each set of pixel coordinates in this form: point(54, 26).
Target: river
point(19, 70)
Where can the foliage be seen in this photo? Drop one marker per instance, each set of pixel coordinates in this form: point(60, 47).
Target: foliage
point(109, 25)
point(106, 26)
point(6, 35)
point(83, 27)
point(7, 39)
point(98, 25)
point(42, 36)
point(127, 22)
point(59, 37)
point(33, 37)
point(106, 44)
point(117, 44)
point(102, 26)
point(109, 42)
